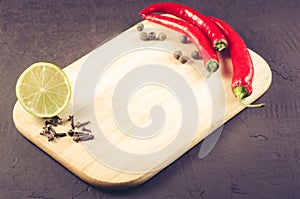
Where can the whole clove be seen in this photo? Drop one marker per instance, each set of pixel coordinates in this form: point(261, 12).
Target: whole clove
point(60, 135)
point(78, 124)
point(71, 118)
point(48, 135)
point(43, 133)
point(51, 129)
point(80, 133)
point(85, 137)
point(88, 137)
point(54, 121)
point(70, 133)
point(76, 138)
point(46, 129)
point(50, 122)
point(87, 130)
point(57, 120)
point(50, 138)
point(55, 134)
point(50, 132)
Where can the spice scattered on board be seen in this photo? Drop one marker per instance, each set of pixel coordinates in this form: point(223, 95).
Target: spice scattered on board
point(78, 134)
point(144, 36)
point(209, 34)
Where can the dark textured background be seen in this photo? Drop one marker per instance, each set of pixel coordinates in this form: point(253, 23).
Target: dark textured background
point(258, 155)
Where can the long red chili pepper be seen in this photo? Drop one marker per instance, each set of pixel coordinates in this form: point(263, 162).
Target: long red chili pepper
point(243, 69)
point(202, 43)
point(190, 15)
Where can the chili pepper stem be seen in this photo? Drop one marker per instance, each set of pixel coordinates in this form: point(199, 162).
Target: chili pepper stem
point(212, 66)
point(220, 45)
point(241, 92)
point(251, 105)
point(209, 74)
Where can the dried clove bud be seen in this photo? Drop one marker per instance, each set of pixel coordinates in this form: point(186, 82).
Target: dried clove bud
point(50, 138)
point(46, 129)
point(54, 121)
point(57, 120)
point(80, 133)
point(71, 118)
point(43, 133)
point(76, 138)
point(78, 124)
point(85, 137)
point(70, 133)
point(51, 129)
point(48, 135)
point(50, 122)
point(50, 132)
point(88, 137)
point(87, 130)
point(60, 135)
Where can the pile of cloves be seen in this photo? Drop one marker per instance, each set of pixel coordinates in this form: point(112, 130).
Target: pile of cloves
point(83, 135)
point(48, 129)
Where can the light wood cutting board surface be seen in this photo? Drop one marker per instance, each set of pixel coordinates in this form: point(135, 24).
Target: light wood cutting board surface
point(146, 109)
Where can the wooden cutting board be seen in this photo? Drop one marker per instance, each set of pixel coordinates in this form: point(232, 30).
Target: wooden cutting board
point(146, 109)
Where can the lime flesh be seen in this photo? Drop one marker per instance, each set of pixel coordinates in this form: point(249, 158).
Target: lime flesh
point(43, 90)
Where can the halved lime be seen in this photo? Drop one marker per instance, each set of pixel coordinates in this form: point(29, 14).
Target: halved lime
point(43, 90)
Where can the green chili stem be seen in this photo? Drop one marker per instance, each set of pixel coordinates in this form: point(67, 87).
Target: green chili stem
point(250, 105)
point(241, 92)
point(212, 66)
point(220, 45)
point(210, 72)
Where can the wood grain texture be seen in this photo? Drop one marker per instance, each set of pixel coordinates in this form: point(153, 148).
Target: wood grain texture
point(82, 162)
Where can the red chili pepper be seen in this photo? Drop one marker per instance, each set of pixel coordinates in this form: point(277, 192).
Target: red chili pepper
point(243, 69)
point(190, 15)
point(202, 43)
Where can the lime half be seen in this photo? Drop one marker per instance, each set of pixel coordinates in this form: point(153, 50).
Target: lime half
point(43, 90)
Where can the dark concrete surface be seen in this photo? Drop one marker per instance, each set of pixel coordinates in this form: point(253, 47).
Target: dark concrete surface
point(258, 155)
